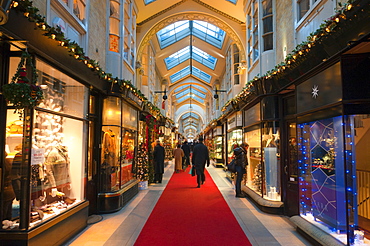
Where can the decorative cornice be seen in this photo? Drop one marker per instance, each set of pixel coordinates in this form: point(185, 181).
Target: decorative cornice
point(197, 1)
point(160, 13)
point(219, 12)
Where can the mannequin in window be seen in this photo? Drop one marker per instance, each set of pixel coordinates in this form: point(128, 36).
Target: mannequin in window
point(8, 192)
point(57, 172)
point(109, 158)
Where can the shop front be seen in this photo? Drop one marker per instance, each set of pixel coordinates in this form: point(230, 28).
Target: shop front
point(234, 134)
point(261, 132)
point(119, 138)
point(45, 160)
point(218, 146)
point(332, 130)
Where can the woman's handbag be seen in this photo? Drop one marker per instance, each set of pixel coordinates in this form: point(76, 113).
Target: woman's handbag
point(231, 166)
point(192, 171)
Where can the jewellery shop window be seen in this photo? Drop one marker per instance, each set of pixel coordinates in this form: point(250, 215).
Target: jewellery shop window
point(57, 156)
point(234, 139)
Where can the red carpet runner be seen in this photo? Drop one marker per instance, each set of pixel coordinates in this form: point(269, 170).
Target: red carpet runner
point(185, 215)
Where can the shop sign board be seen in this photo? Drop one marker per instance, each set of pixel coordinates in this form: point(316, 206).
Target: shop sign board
point(252, 115)
point(322, 89)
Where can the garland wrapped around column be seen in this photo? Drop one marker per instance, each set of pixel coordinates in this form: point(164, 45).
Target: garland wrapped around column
point(21, 92)
point(142, 164)
point(150, 123)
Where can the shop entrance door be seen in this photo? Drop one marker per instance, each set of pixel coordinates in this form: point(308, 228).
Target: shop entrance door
point(291, 201)
point(93, 150)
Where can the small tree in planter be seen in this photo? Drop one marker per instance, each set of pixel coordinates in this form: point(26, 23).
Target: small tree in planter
point(141, 166)
point(21, 92)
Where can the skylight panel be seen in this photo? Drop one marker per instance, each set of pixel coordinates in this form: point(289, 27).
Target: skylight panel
point(201, 75)
point(180, 74)
point(209, 33)
point(177, 58)
point(185, 54)
point(173, 33)
point(232, 1)
point(187, 91)
point(148, 1)
point(186, 71)
point(204, 58)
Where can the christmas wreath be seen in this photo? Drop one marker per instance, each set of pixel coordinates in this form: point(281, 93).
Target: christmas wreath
point(21, 92)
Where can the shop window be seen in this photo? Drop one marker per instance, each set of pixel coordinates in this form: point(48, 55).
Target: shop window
point(271, 160)
point(118, 144)
point(234, 138)
point(46, 153)
point(254, 178)
point(326, 152)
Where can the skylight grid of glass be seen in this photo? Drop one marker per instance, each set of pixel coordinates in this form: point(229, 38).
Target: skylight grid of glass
point(180, 74)
point(200, 88)
point(195, 116)
point(193, 98)
point(201, 75)
point(177, 58)
point(187, 91)
point(173, 33)
point(148, 1)
point(184, 54)
point(204, 58)
point(209, 33)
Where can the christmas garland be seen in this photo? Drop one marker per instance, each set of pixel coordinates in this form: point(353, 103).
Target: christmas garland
point(21, 92)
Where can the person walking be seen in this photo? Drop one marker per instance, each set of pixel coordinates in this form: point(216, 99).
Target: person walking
point(186, 148)
point(178, 154)
point(199, 159)
point(241, 163)
point(158, 159)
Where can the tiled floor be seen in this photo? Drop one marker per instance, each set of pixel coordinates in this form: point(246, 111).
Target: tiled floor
point(123, 227)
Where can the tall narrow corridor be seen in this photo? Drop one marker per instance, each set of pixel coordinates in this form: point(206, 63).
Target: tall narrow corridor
point(132, 224)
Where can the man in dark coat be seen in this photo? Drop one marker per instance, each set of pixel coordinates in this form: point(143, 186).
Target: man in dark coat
point(241, 162)
point(158, 159)
point(186, 148)
point(199, 159)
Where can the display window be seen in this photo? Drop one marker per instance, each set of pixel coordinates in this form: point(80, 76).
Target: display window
point(234, 138)
point(119, 134)
point(271, 160)
point(254, 179)
point(218, 147)
point(46, 153)
point(326, 161)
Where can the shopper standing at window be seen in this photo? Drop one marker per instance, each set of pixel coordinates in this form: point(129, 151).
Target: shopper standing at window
point(199, 159)
point(158, 159)
point(241, 162)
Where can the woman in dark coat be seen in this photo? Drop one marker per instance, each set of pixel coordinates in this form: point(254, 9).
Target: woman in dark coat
point(158, 159)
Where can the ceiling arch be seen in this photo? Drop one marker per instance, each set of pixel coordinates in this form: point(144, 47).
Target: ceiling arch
point(191, 16)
